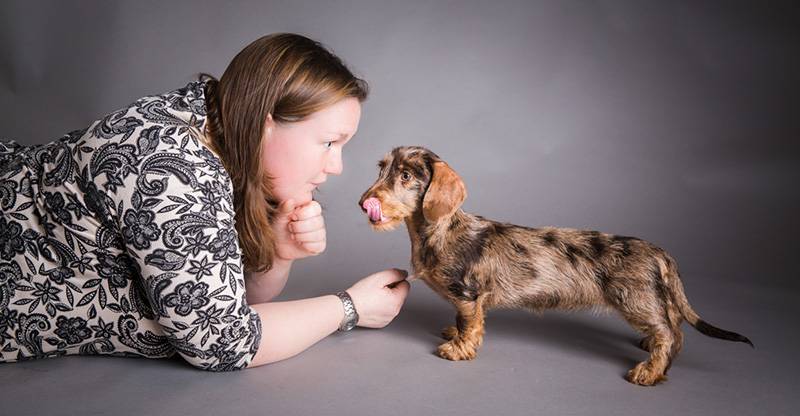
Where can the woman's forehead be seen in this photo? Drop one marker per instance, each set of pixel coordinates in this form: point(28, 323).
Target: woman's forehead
point(339, 118)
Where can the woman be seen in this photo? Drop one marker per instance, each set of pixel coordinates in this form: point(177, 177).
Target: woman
point(168, 225)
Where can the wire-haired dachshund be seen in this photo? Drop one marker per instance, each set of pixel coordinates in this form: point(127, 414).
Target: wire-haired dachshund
point(478, 264)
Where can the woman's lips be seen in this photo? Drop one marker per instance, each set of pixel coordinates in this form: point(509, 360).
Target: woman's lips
point(373, 208)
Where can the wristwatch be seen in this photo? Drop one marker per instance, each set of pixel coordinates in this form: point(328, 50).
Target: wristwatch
point(350, 315)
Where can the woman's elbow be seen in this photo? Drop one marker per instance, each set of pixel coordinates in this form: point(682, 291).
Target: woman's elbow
point(219, 356)
point(218, 360)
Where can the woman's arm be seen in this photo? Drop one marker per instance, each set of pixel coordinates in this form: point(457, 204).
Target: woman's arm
point(299, 232)
point(288, 328)
point(263, 287)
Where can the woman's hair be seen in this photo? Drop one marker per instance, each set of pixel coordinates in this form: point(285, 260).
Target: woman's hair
point(287, 76)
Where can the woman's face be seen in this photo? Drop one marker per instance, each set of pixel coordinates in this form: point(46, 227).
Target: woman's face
point(299, 156)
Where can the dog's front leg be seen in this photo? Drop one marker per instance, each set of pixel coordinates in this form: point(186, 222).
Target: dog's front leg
point(467, 336)
point(452, 331)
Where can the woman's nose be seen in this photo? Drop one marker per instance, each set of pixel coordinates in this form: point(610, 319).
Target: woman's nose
point(334, 165)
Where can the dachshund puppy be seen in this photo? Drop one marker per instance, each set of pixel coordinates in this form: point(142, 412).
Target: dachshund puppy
point(478, 264)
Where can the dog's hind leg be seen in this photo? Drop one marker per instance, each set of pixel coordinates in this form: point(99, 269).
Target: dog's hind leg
point(653, 370)
point(661, 324)
point(662, 343)
point(467, 336)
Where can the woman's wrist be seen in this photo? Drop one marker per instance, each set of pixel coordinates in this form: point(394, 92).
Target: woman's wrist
point(281, 263)
point(350, 315)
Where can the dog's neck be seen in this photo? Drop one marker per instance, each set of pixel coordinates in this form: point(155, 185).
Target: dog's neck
point(417, 225)
point(428, 239)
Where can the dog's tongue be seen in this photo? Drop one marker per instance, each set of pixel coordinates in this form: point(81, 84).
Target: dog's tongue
point(373, 207)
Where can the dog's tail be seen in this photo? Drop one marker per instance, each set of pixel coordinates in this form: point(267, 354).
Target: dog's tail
point(669, 272)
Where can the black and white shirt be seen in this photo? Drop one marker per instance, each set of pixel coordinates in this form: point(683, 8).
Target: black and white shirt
point(119, 239)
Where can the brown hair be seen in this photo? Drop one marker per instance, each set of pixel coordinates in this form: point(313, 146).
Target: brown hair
point(287, 76)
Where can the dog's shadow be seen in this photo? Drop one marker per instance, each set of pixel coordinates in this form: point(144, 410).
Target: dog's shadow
point(573, 331)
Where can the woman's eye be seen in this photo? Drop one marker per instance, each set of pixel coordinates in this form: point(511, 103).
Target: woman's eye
point(329, 144)
point(405, 176)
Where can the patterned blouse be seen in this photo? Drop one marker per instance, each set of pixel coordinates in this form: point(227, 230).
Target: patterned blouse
point(119, 239)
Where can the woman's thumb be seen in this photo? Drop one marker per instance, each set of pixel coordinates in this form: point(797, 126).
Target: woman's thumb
point(394, 277)
point(286, 207)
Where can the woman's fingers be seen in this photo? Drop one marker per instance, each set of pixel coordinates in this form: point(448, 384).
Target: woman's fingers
point(312, 209)
point(310, 224)
point(308, 227)
point(393, 276)
point(314, 247)
point(309, 237)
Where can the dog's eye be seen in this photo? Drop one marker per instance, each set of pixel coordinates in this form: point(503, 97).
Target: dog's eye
point(405, 176)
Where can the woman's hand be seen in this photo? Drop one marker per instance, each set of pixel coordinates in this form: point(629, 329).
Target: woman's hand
point(299, 231)
point(379, 297)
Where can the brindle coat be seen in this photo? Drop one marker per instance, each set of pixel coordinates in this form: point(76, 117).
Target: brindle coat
point(478, 264)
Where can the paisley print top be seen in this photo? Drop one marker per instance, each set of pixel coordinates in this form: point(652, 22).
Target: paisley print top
point(119, 239)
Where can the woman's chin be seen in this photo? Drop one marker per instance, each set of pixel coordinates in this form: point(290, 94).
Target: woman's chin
point(303, 199)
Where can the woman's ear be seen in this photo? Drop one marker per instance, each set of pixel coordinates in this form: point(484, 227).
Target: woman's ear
point(445, 194)
point(269, 125)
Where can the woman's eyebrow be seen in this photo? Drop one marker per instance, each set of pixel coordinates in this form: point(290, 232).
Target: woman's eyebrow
point(339, 134)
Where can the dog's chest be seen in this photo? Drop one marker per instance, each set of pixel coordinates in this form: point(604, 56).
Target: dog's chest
point(428, 266)
point(423, 256)
point(440, 286)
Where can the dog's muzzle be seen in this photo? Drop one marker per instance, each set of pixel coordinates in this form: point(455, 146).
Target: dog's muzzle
point(372, 206)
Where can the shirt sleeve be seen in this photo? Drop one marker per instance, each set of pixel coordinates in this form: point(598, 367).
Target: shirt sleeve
point(177, 221)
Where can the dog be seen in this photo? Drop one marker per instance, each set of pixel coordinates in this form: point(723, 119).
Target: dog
point(478, 264)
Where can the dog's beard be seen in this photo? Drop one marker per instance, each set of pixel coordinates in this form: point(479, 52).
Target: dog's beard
point(389, 225)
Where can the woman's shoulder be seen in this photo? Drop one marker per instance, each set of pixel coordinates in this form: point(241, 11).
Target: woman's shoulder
point(155, 136)
point(176, 111)
point(168, 123)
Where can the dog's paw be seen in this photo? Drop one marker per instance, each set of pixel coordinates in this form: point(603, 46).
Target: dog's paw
point(643, 375)
point(449, 333)
point(456, 351)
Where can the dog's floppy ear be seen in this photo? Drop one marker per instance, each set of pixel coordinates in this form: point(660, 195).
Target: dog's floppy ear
point(445, 194)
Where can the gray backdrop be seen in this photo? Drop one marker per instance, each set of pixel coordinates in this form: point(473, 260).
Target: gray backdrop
point(678, 123)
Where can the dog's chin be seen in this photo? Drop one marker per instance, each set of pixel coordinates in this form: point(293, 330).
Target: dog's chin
point(387, 225)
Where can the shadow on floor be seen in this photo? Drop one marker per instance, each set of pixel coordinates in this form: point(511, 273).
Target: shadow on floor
point(581, 333)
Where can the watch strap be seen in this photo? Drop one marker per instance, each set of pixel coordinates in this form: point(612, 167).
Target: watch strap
point(350, 318)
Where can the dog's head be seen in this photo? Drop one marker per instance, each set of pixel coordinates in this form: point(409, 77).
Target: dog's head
point(412, 179)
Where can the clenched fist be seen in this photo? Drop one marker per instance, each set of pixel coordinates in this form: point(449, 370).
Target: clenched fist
point(299, 230)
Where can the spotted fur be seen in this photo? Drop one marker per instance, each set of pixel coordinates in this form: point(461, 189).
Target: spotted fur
point(478, 264)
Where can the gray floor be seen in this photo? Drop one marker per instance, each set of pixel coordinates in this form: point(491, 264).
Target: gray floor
point(558, 363)
point(670, 121)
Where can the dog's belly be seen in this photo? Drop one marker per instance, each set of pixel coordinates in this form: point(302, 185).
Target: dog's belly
point(549, 289)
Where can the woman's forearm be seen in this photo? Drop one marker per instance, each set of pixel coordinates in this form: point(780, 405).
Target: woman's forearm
point(262, 287)
point(288, 328)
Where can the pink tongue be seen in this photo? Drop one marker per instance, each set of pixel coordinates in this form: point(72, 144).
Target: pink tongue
point(373, 207)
